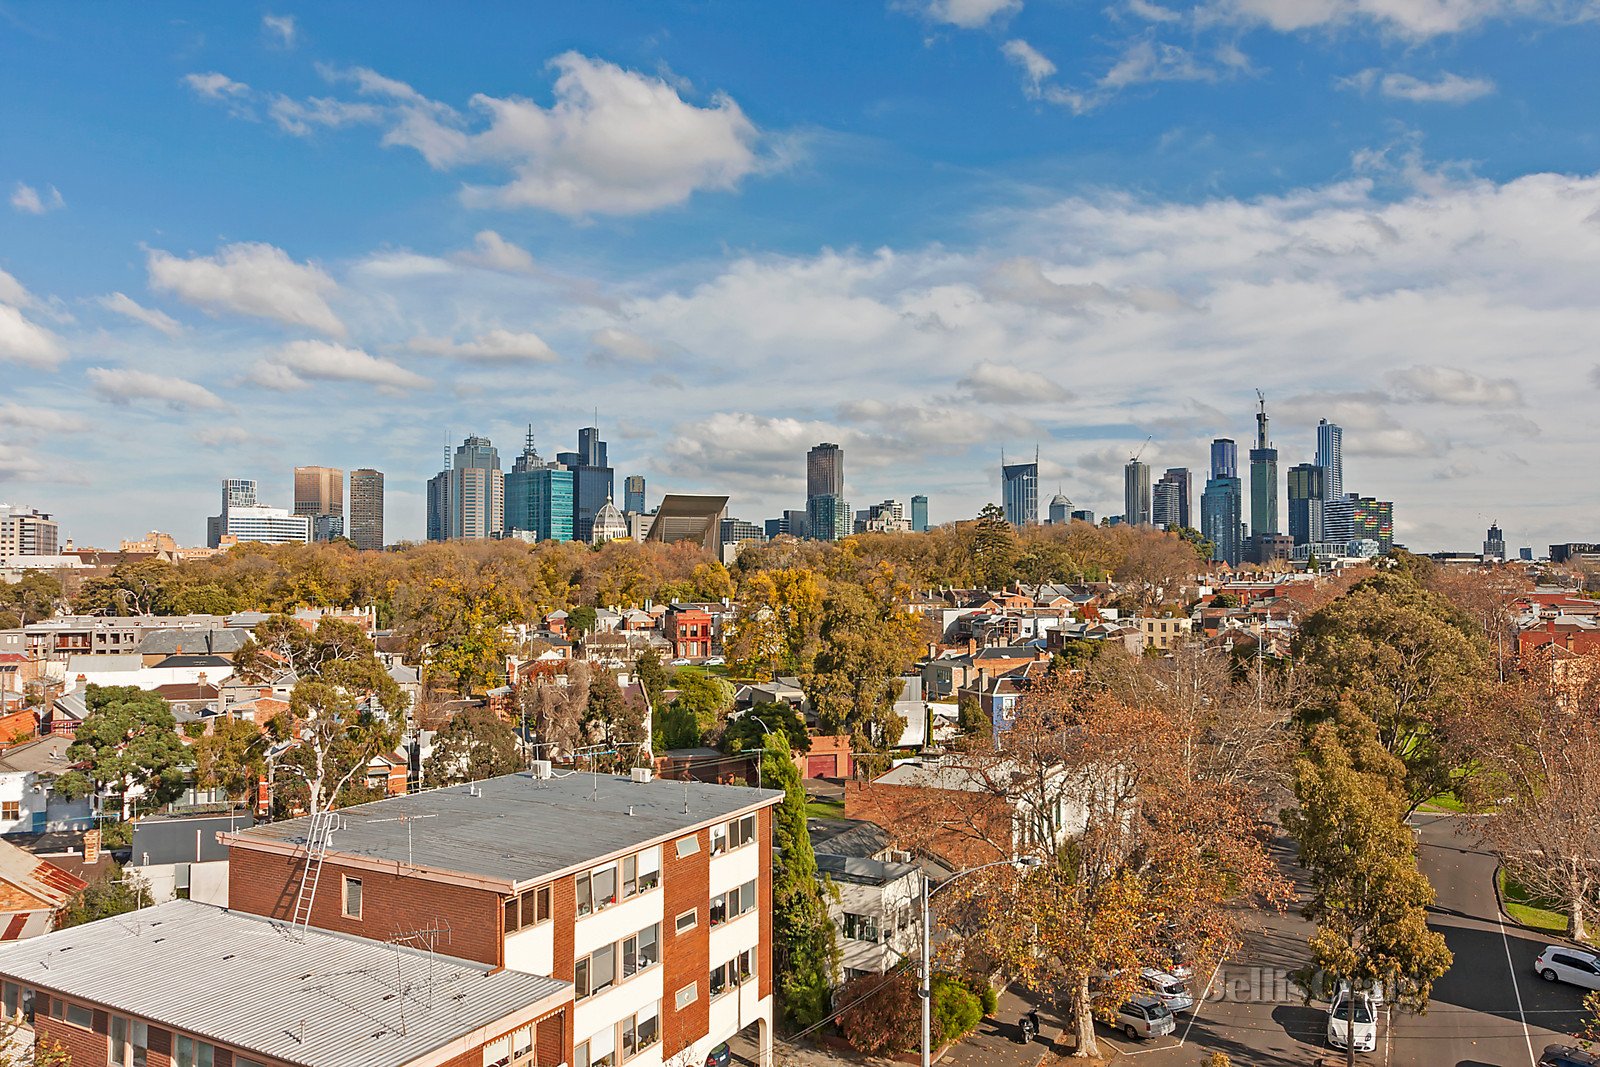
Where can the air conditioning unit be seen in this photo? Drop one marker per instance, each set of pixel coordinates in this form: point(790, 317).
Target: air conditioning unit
point(643, 775)
point(540, 768)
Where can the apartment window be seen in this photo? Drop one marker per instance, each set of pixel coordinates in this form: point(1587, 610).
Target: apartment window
point(11, 810)
point(12, 1000)
point(630, 876)
point(741, 831)
point(860, 927)
point(597, 890)
point(595, 972)
point(352, 898)
point(649, 870)
point(734, 903)
point(687, 995)
point(688, 846)
point(529, 909)
point(580, 1054)
point(641, 950)
point(130, 1044)
point(687, 920)
point(192, 1053)
point(719, 839)
point(640, 1031)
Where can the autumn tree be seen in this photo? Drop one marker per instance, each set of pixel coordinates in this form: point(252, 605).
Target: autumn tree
point(127, 746)
point(778, 625)
point(1368, 898)
point(612, 719)
point(867, 642)
point(554, 704)
point(882, 1013)
point(1155, 568)
point(475, 744)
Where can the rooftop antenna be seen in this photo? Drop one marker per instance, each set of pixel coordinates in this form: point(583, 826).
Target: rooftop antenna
point(527, 444)
point(408, 820)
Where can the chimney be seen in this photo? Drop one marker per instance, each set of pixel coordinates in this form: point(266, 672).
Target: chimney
point(201, 678)
point(265, 691)
point(972, 646)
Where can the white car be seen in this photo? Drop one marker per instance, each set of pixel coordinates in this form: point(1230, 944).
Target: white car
point(1573, 966)
point(1145, 1017)
point(1170, 990)
point(1363, 1033)
point(716, 661)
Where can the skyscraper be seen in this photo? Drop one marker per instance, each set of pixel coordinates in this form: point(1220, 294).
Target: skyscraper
point(633, 494)
point(593, 480)
point(828, 517)
point(1019, 491)
point(825, 471)
point(466, 501)
point(1170, 506)
point(1494, 542)
point(1136, 493)
point(1263, 478)
point(319, 496)
point(25, 531)
point(1307, 482)
point(366, 509)
point(1060, 510)
point(538, 497)
point(919, 514)
point(1224, 458)
point(245, 518)
point(1330, 457)
point(1220, 507)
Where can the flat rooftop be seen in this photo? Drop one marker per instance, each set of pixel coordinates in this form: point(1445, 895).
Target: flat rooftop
point(329, 1000)
point(517, 828)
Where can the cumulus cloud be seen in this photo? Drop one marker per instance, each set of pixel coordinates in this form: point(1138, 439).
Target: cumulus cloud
point(966, 14)
point(1023, 281)
point(31, 201)
point(26, 342)
point(1447, 88)
point(625, 346)
point(298, 363)
point(999, 383)
point(31, 418)
point(1452, 385)
point(495, 346)
point(253, 279)
point(493, 252)
point(124, 386)
point(125, 305)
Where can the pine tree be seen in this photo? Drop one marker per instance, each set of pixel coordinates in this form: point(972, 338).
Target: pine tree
point(808, 953)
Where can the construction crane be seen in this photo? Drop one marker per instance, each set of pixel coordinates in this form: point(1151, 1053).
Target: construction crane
point(1142, 447)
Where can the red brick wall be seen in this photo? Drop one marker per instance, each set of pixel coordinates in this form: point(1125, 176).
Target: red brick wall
point(685, 957)
point(266, 883)
point(764, 960)
point(564, 914)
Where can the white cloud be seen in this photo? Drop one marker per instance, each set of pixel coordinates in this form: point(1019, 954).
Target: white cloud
point(495, 346)
point(1152, 12)
point(123, 386)
point(1447, 88)
point(30, 201)
point(1141, 61)
point(999, 383)
point(253, 279)
point(125, 305)
point(31, 418)
point(26, 342)
point(17, 464)
point(13, 292)
point(303, 117)
point(1036, 67)
point(296, 364)
point(612, 343)
point(494, 252)
point(216, 86)
point(967, 14)
point(1452, 385)
point(1416, 19)
point(281, 29)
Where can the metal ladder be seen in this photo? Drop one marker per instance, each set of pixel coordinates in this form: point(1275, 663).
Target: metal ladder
point(318, 837)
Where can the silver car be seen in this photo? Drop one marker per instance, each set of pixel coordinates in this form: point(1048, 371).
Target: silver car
point(1145, 1017)
point(1172, 991)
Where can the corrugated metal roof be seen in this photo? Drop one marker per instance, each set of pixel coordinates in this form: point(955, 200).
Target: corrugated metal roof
point(518, 828)
point(327, 1001)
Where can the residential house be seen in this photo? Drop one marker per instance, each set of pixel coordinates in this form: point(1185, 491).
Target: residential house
point(180, 856)
point(28, 801)
point(689, 631)
point(32, 891)
point(1164, 633)
point(876, 908)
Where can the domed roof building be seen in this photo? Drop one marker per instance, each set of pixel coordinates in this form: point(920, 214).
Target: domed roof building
point(609, 525)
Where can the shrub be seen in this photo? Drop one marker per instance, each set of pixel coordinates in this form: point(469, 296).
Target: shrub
point(882, 1013)
point(986, 996)
point(957, 1010)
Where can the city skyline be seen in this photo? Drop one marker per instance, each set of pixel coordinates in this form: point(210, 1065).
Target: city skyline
point(1078, 227)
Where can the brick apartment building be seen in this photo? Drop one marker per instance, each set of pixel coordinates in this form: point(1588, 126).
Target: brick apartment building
point(689, 630)
point(646, 905)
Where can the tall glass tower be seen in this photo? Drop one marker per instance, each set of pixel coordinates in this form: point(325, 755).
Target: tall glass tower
point(1019, 489)
point(1263, 479)
point(1330, 457)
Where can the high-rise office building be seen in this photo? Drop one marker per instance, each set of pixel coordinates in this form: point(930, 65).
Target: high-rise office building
point(538, 497)
point(238, 492)
point(1263, 479)
point(1060, 512)
point(1220, 507)
point(825, 471)
point(1169, 504)
point(1494, 543)
point(319, 496)
point(27, 532)
point(735, 531)
point(1330, 457)
point(366, 509)
point(1083, 516)
point(919, 514)
point(466, 501)
point(1136, 493)
point(1373, 520)
point(1019, 492)
point(1224, 458)
point(593, 480)
point(1307, 487)
point(633, 494)
point(828, 517)
point(245, 518)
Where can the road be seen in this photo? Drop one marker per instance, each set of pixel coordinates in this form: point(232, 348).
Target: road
point(1489, 1010)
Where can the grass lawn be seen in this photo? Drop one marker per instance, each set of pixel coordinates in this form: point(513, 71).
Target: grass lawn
point(1444, 802)
point(824, 809)
point(1527, 909)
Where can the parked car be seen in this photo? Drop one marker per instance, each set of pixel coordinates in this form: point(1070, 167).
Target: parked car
point(1363, 1033)
point(1558, 963)
point(1145, 1017)
point(1172, 991)
point(715, 661)
point(720, 1056)
point(1374, 993)
point(1566, 1056)
point(678, 663)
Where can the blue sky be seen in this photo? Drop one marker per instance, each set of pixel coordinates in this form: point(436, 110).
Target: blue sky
point(239, 239)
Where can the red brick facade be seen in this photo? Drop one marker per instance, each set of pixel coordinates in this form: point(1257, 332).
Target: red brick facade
point(266, 883)
point(685, 957)
point(764, 964)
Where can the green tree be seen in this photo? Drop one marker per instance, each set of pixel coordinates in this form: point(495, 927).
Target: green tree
point(36, 595)
point(994, 548)
point(1368, 899)
point(474, 745)
point(127, 745)
point(654, 675)
point(808, 951)
point(694, 714)
point(973, 720)
point(110, 894)
point(339, 734)
point(232, 757)
point(868, 642)
point(747, 730)
point(611, 718)
point(581, 619)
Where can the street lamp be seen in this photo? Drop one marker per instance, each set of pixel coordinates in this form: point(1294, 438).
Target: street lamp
point(926, 992)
